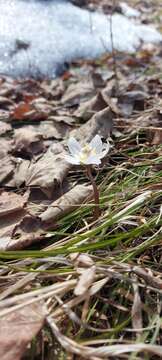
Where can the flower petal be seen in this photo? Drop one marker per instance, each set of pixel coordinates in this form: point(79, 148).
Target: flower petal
point(96, 144)
point(106, 148)
point(72, 160)
point(74, 146)
point(92, 160)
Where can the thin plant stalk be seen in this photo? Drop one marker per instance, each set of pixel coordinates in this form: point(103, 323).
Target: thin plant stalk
point(113, 48)
point(95, 192)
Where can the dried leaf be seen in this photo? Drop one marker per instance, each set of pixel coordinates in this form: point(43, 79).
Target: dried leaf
point(26, 111)
point(18, 328)
point(21, 111)
point(27, 141)
point(11, 202)
point(90, 107)
point(66, 203)
point(52, 129)
point(8, 225)
point(101, 123)
point(85, 281)
point(20, 173)
point(77, 92)
point(49, 170)
point(7, 168)
point(132, 100)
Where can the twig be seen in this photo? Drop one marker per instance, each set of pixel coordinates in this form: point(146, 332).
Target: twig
point(113, 48)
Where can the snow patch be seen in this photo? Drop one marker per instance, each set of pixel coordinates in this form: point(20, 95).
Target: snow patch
point(37, 37)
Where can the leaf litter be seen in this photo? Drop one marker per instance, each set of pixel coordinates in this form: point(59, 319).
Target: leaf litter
point(100, 282)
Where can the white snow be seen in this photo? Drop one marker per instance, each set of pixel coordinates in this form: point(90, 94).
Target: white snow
point(58, 32)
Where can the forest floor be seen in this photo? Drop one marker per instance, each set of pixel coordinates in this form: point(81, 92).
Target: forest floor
point(72, 287)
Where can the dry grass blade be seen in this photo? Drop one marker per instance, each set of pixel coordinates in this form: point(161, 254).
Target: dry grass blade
point(103, 352)
point(137, 309)
point(85, 281)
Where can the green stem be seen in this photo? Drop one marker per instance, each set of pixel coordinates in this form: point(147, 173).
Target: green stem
point(95, 192)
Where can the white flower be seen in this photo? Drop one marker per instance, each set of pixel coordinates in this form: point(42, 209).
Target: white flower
point(88, 154)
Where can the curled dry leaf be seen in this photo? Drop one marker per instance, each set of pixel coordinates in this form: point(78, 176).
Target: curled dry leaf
point(49, 170)
point(18, 328)
point(85, 281)
point(66, 203)
point(101, 123)
point(88, 108)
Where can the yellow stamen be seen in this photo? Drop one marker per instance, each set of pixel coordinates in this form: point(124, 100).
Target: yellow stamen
point(86, 152)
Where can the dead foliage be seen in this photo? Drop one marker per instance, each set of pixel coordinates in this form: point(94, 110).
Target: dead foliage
point(78, 288)
point(18, 328)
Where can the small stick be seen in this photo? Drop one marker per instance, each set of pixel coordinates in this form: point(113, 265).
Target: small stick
point(113, 48)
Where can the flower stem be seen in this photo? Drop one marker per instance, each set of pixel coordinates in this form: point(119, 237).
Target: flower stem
point(95, 192)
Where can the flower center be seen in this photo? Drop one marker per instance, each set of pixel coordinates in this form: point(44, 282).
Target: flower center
point(86, 152)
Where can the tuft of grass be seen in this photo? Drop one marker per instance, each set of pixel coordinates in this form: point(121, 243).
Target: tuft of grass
point(124, 246)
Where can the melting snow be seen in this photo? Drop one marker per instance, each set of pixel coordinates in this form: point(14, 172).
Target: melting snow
point(37, 37)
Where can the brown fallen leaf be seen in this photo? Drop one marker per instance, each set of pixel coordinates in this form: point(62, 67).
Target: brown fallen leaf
point(18, 328)
point(62, 117)
point(20, 173)
point(11, 202)
point(51, 129)
point(25, 233)
point(21, 111)
point(12, 211)
point(8, 225)
point(85, 281)
point(101, 123)
point(77, 92)
point(27, 111)
point(53, 89)
point(49, 170)
point(27, 142)
point(132, 100)
point(66, 203)
point(90, 107)
point(7, 243)
point(19, 230)
point(7, 168)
